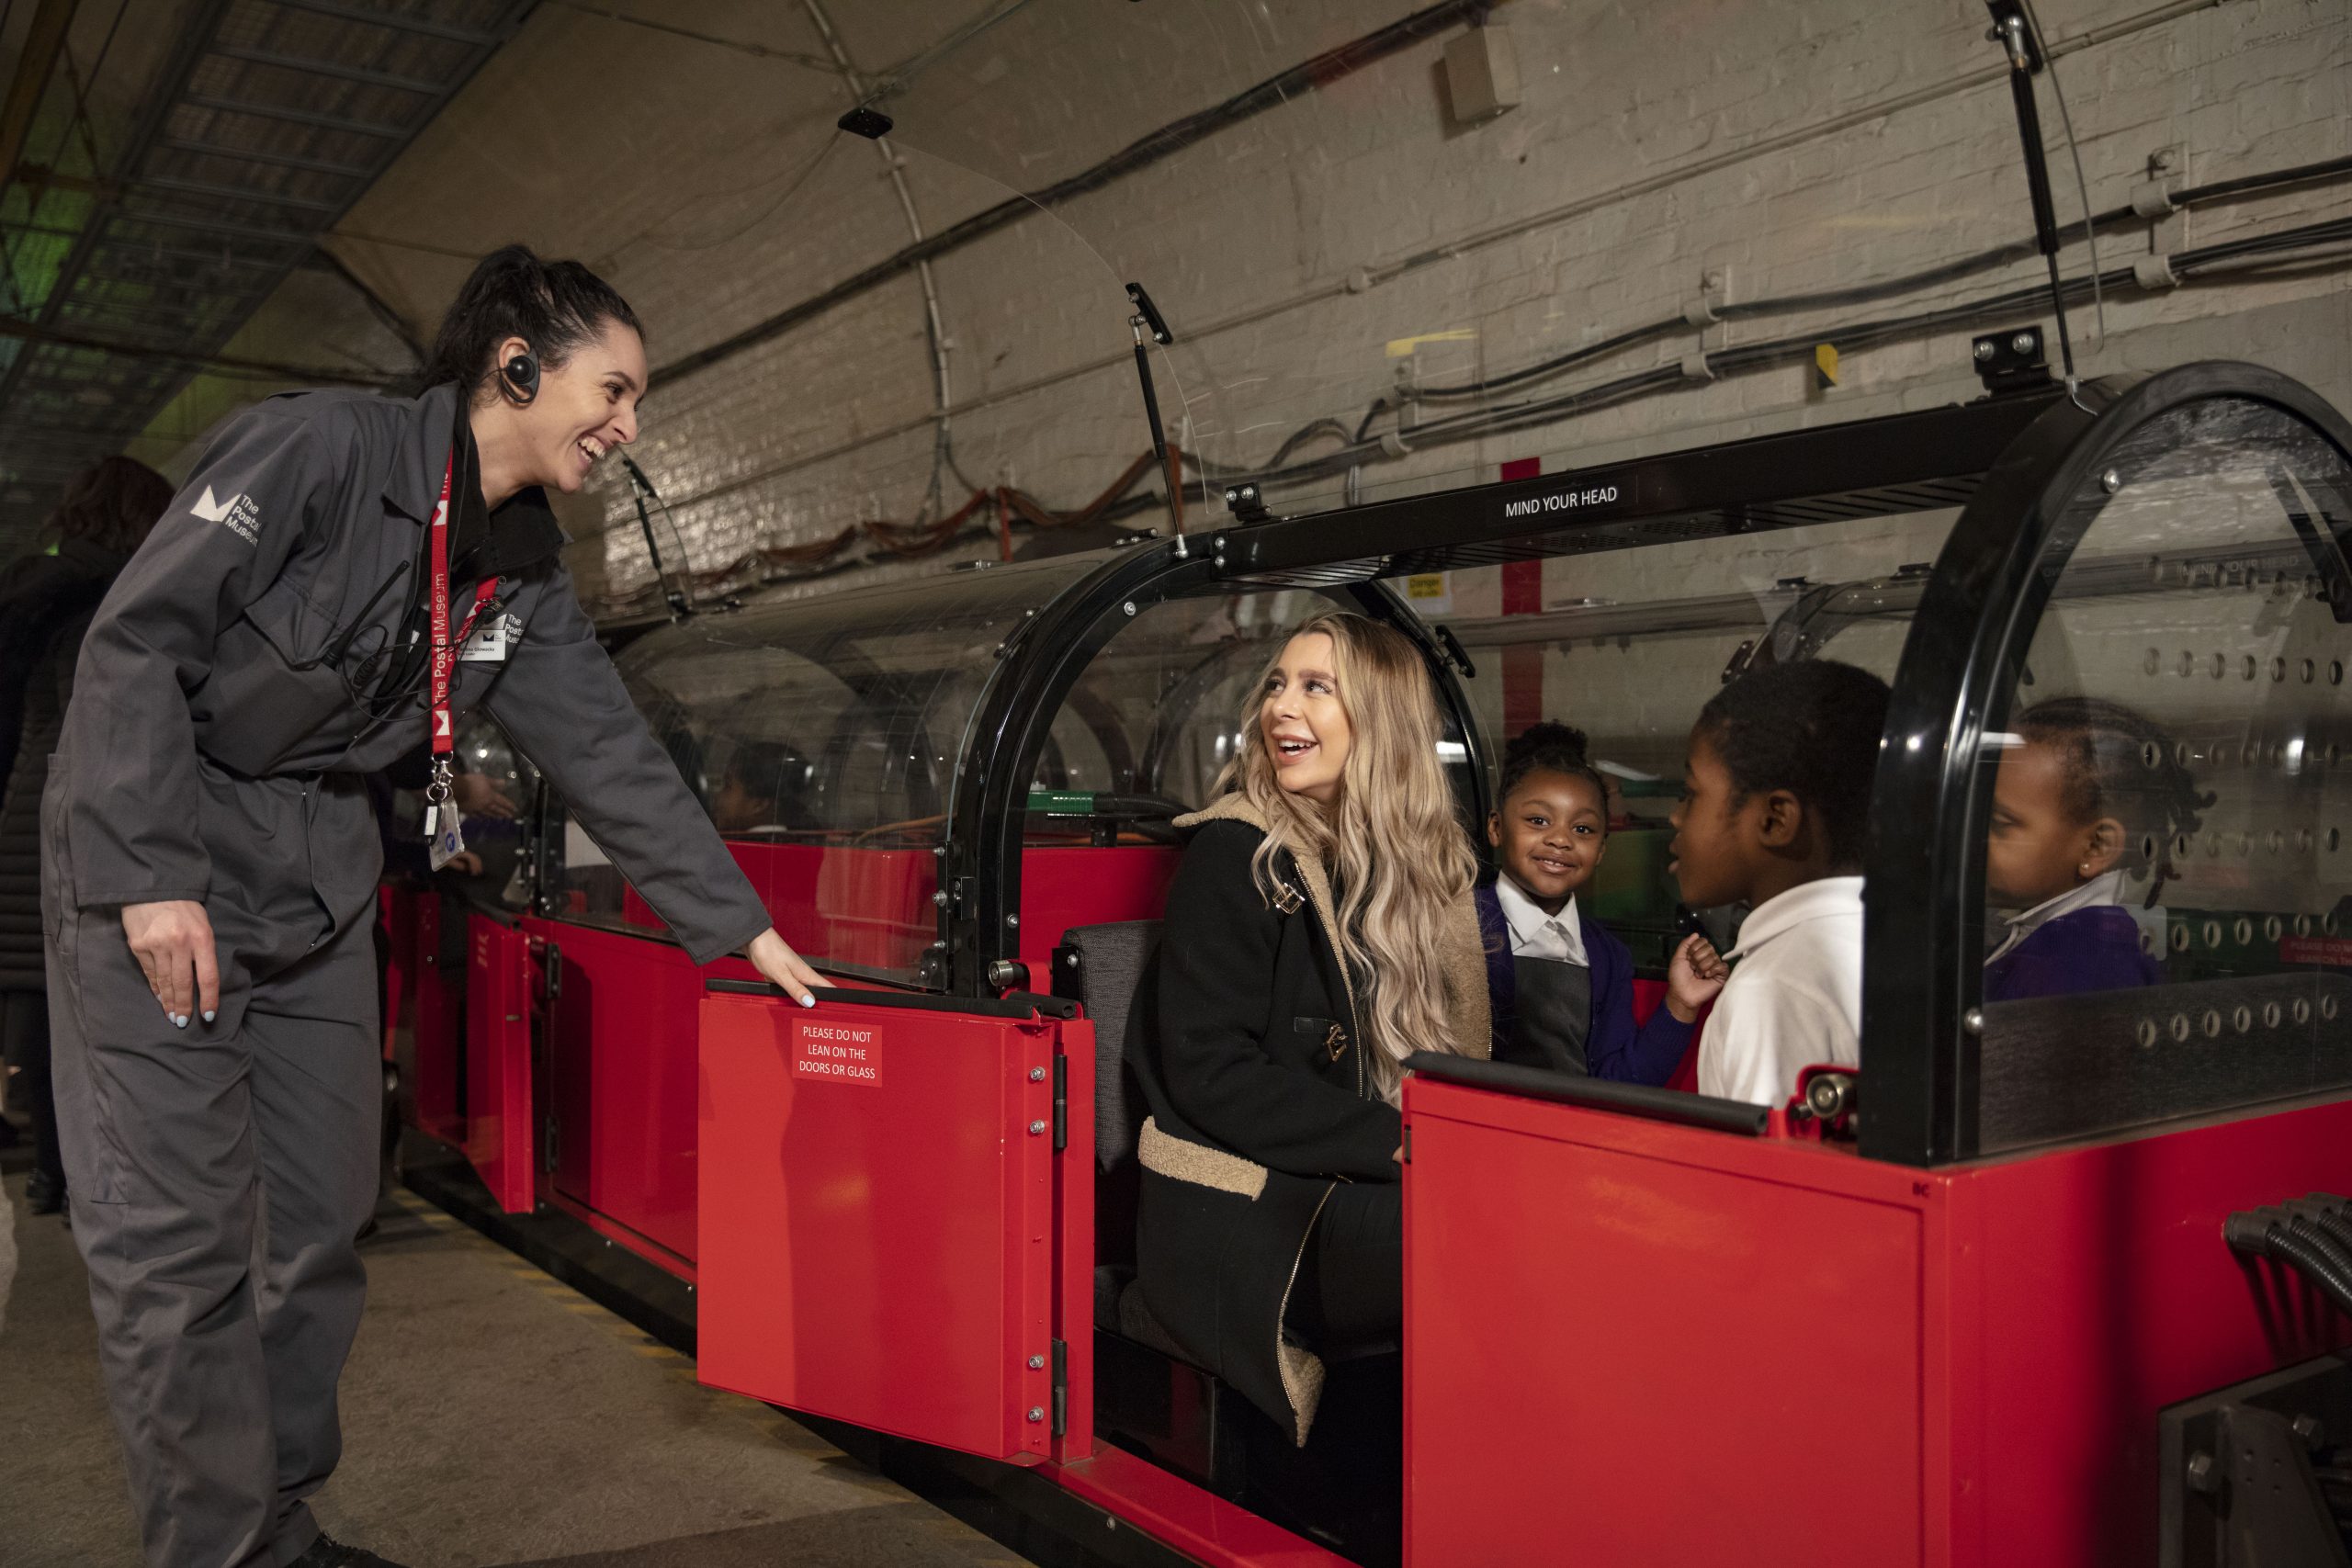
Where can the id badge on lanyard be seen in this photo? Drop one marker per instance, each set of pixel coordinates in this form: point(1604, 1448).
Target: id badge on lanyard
point(445, 839)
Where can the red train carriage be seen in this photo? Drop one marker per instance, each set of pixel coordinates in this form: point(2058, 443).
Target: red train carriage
point(1978, 1306)
point(1643, 1326)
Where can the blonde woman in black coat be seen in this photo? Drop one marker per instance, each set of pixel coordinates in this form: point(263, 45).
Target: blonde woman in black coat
point(1321, 930)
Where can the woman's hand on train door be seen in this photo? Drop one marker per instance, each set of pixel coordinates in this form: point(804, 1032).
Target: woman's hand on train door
point(1693, 976)
point(172, 942)
point(773, 957)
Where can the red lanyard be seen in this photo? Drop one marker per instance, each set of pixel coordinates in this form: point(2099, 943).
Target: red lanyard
point(445, 647)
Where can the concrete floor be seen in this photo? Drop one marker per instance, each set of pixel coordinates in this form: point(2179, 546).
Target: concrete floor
point(490, 1416)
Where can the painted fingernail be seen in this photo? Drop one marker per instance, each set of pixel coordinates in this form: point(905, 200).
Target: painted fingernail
point(179, 1020)
point(210, 1014)
point(808, 1001)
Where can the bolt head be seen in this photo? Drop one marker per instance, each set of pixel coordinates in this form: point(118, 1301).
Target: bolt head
point(2111, 481)
point(1036, 1413)
point(1036, 1129)
point(1037, 1075)
point(1036, 1364)
point(2022, 343)
point(2201, 1474)
point(2310, 1429)
point(1984, 348)
point(1011, 920)
point(940, 897)
point(1129, 606)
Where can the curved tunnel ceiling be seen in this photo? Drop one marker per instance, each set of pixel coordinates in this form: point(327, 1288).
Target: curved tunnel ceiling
point(264, 122)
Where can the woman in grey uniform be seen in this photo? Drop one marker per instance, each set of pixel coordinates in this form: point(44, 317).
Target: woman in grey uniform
point(341, 574)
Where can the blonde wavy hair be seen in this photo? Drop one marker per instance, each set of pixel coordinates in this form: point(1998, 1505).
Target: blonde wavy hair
point(1397, 857)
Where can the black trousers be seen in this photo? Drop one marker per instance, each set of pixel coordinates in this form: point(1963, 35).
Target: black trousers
point(219, 1175)
point(23, 1046)
point(1349, 1294)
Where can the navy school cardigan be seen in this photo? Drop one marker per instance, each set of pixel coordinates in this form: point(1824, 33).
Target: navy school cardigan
point(1613, 1047)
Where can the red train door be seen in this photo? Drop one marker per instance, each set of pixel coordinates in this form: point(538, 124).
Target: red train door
point(435, 1040)
point(498, 1140)
point(877, 1223)
point(618, 1139)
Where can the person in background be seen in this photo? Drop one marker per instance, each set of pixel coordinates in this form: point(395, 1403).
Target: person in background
point(1560, 983)
point(2086, 805)
point(1320, 929)
point(46, 604)
point(1775, 814)
point(766, 786)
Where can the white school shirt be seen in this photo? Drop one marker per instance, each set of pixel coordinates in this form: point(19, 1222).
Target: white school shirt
point(1795, 997)
point(1533, 933)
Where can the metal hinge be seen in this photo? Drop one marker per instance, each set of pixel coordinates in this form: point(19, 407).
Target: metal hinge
point(1061, 1387)
point(1061, 1103)
point(548, 1142)
point(552, 970)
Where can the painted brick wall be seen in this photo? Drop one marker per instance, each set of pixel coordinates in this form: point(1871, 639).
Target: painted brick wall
point(1310, 256)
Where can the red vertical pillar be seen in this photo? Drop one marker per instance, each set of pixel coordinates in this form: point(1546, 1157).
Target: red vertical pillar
point(1523, 595)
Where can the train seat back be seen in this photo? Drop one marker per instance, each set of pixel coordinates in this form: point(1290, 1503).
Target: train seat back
point(1101, 968)
point(2100, 1061)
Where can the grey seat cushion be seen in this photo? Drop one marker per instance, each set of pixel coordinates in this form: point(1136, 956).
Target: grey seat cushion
point(1113, 963)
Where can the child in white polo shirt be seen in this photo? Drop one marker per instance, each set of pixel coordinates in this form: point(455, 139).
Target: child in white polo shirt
point(1775, 811)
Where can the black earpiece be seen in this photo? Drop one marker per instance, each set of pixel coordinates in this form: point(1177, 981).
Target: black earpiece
point(520, 378)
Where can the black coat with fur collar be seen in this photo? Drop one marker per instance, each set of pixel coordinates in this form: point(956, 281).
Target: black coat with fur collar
point(1262, 1098)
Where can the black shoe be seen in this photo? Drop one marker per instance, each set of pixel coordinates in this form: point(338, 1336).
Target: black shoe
point(328, 1553)
point(44, 1193)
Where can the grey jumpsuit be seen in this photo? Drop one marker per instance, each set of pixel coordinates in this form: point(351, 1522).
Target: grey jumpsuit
point(231, 694)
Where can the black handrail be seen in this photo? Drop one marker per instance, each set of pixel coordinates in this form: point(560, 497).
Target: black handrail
point(1630, 1099)
point(1014, 1004)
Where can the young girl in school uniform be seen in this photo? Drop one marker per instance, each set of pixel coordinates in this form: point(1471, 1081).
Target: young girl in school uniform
point(1775, 813)
point(1560, 984)
point(2085, 807)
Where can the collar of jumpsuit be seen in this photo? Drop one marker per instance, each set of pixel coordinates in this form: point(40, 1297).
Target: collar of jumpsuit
point(482, 544)
point(526, 530)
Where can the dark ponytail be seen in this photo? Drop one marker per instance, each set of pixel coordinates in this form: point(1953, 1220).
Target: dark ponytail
point(1551, 749)
point(556, 307)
